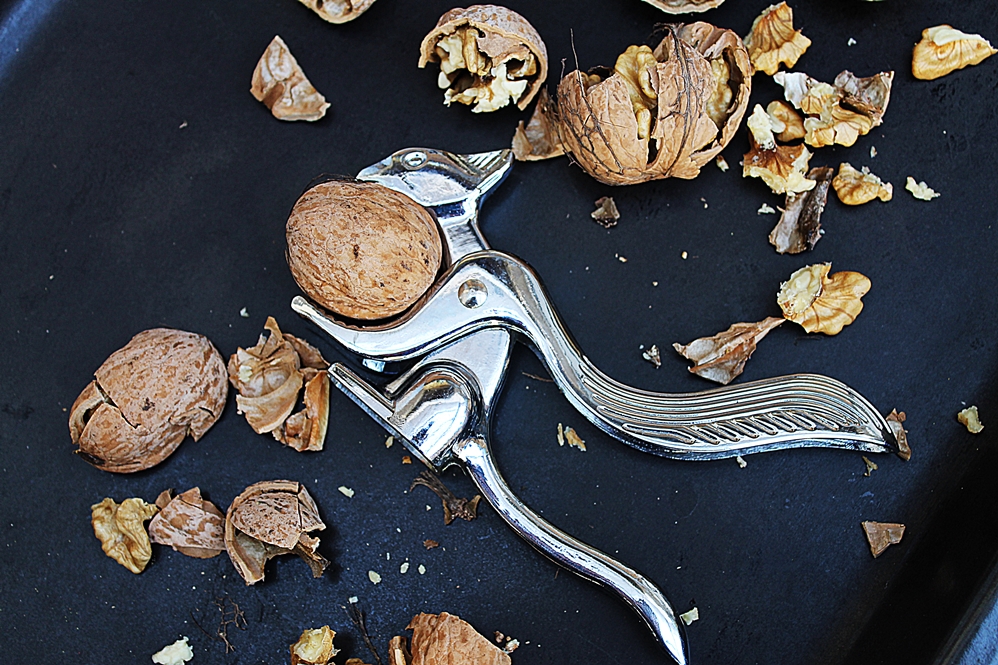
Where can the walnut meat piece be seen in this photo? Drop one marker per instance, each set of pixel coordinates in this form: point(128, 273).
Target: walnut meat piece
point(189, 524)
point(338, 11)
point(787, 125)
point(146, 398)
point(267, 379)
point(489, 56)
point(445, 639)
point(684, 6)
point(772, 41)
point(858, 187)
point(280, 83)
point(314, 647)
point(782, 168)
point(944, 49)
point(362, 250)
point(121, 531)
point(823, 303)
point(268, 519)
point(661, 116)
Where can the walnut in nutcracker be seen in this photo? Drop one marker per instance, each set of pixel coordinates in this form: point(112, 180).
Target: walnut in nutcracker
point(659, 113)
point(489, 56)
point(362, 250)
point(146, 398)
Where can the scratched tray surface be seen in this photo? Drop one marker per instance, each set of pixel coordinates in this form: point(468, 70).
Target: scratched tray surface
point(142, 186)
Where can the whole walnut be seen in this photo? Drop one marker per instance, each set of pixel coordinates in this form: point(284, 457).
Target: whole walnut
point(362, 250)
point(146, 398)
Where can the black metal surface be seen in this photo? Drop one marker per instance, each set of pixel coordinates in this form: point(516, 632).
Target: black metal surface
point(141, 185)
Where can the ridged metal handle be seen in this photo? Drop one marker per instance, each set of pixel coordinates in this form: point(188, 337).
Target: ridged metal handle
point(638, 591)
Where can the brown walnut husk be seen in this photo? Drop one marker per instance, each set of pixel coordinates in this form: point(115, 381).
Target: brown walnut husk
point(121, 531)
point(722, 357)
point(146, 398)
point(855, 187)
point(659, 113)
point(279, 82)
point(489, 55)
point(445, 639)
point(685, 6)
point(189, 524)
point(268, 519)
point(362, 250)
point(944, 49)
point(338, 11)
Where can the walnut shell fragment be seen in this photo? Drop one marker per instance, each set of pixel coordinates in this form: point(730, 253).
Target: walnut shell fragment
point(606, 213)
point(823, 303)
point(772, 41)
point(268, 519)
point(799, 228)
point(944, 49)
point(267, 379)
point(684, 6)
point(858, 187)
point(539, 139)
point(121, 531)
point(489, 56)
point(445, 639)
point(280, 83)
point(189, 524)
point(306, 430)
point(454, 506)
point(338, 11)
point(895, 421)
point(658, 113)
point(146, 398)
point(782, 167)
point(882, 535)
point(840, 113)
point(362, 250)
point(314, 647)
point(722, 357)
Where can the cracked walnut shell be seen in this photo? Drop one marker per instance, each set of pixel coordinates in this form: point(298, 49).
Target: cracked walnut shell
point(121, 531)
point(146, 398)
point(189, 524)
point(362, 250)
point(823, 303)
point(658, 113)
point(445, 639)
point(684, 6)
point(280, 83)
point(268, 519)
point(489, 56)
point(944, 49)
point(338, 11)
point(267, 379)
point(855, 187)
point(772, 41)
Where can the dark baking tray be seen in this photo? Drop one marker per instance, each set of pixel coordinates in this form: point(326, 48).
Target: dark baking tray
point(141, 186)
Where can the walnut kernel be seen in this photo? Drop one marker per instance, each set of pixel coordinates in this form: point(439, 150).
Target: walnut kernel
point(944, 49)
point(121, 531)
point(684, 6)
point(858, 187)
point(823, 303)
point(772, 41)
point(338, 11)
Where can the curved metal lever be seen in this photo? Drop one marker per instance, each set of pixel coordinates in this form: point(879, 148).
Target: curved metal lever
point(492, 289)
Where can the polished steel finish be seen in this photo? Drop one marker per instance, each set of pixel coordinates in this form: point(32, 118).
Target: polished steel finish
point(459, 336)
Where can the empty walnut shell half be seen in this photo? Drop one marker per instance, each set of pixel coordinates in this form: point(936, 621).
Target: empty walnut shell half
point(362, 250)
point(189, 524)
point(146, 398)
point(338, 11)
point(658, 113)
point(489, 56)
point(439, 639)
point(268, 519)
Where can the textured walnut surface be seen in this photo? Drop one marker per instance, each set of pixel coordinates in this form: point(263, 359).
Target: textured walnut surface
point(362, 250)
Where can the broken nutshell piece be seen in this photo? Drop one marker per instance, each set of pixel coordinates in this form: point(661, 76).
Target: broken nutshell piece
point(722, 357)
point(894, 421)
point(772, 41)
point(659, 113)
point(267, 378)
point(146, 398)
point(606, 213)
point(882, 535)
point(280, 83)
point(362, 250)
point(445, 639)
point(189, 524)
point(539, 139)
point(269, 519)
point(314, 647)
point(855, 187)
point(453, 505)
point(489, 56)
point(338, 11)
point(820, 302)
point(944, 49)
point(121, 531)
point(799, 228)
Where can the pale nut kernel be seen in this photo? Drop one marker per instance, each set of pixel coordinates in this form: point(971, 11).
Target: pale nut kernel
point(772, 41)
point(489, 56)
point(121, 531)
point(944, 49)
point(314, 647)
point(362, 250)
point(684, 6)
point(782, 167)
point(855, 187)
point(823, 303)
point(338, 11)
